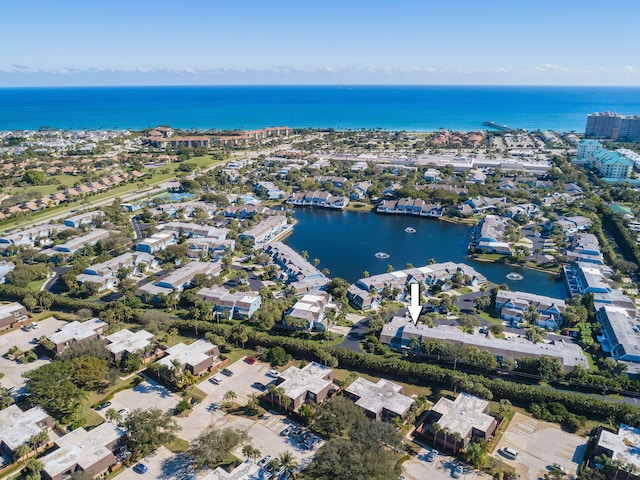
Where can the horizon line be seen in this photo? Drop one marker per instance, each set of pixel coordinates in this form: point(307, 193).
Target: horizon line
point(502, 85)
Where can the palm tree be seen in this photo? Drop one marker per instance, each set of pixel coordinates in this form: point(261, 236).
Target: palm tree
point(435, 426)
point(271, 389)
point(229, 397)
point(289, 463)
point(415, 344)
point(280, 394)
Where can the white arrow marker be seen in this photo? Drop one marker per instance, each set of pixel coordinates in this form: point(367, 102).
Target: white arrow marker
point(415, 308)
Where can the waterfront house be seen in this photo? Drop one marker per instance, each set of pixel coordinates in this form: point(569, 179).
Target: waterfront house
point(308, 310)
point(239, 305)
point(266, 230)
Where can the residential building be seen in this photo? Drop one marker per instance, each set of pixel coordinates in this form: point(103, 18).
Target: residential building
point(400, 330)
point(213, 248)
point(611, 164)
point(156, 242)
point(489, 236)
point(270, 190)
point(194, 230)
point(11, 313)
point(382, 400)
point(105, 273)
point(295, 270)
point(459, 422)
point(586, 148)
point(312, 383)
point(81, 450)
point(86, 218)
point(584, 247)
point(76, 331)
point(17, 427)
point(620, 335)
point(240, 305)
point(266, 230)
point(197, 357)
point(32, 235)
point(586, 277)
point(512, 305)
point(124, 342)
point(318, 199)
point(408, 206)
point(613, 126)
point(622, 448)
point(75, 244)
point(180, 278)
point(310, 310)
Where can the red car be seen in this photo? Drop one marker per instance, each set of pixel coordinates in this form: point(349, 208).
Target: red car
point(250, 360)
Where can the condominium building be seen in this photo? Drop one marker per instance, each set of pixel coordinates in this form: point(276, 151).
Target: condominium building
point(613, 126)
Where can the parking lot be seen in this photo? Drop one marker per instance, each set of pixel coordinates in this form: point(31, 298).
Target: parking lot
point(13, 370)
point(419, 468)
point(159, 464)
point(147, 394)
point(526, 435)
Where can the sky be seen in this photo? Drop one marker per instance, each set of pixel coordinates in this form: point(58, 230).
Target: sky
point(237, 42)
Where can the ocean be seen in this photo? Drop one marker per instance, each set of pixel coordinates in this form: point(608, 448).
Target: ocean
point(413, 108)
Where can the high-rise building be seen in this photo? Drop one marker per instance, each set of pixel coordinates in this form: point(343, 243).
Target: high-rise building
point(613, 126)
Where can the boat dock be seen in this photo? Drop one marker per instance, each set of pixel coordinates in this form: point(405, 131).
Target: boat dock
point(497, 126)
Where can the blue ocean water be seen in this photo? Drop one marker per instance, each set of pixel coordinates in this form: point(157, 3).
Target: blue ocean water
point(414, 108)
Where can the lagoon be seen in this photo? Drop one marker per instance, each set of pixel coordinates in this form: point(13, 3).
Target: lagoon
point(346, 243)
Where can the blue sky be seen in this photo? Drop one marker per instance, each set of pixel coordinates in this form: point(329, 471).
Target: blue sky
point(141, 42)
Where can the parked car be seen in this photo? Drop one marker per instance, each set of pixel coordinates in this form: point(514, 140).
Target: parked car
point(458, 471)
point(227, 372)
point(215, 380)
point(103, 405)
point(274, 373)
point(140, 468)
point(212, 407)
point(123, 412)
point(286, 431)
point(558, 467)
point(250, 360)
point(432, 455)
point(259, 386)
point(264, 461)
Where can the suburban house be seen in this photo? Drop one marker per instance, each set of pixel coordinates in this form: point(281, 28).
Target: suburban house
point(318, 199)
point(382, 400)
point(124, 342)
point(512, 305)
point(17, 427)
point(312, 383)
point(197, 357)
point(453, 424)
point(81, 450)
point(11, 313)
point(194, 230)
point(32, 235)
point(308, 310)
point(240, 305)
point(362, 299)
point(214, 248)
point(76, 331)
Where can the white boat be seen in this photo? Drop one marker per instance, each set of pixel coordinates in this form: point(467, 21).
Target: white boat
point(410, 230)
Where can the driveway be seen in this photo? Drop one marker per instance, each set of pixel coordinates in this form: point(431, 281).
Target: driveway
point(354, 335)
point(526, 435)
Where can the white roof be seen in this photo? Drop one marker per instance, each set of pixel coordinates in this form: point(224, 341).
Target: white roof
point(373, 397)
point(77, 331)
point(125, 340)
point(312, 378)
point(16, 426)
point(187, 354)
point(463, 414)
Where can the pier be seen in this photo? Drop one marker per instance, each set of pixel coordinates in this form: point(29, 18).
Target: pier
point(497, 126)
